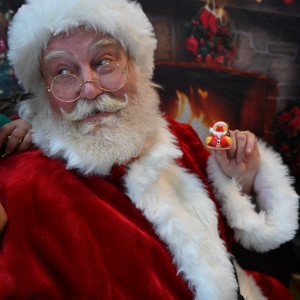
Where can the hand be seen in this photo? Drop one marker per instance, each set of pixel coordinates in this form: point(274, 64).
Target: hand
point(241, 160)
point(17, 134)
point(3, 218)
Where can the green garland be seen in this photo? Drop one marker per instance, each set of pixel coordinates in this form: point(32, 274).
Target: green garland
point(210, 41)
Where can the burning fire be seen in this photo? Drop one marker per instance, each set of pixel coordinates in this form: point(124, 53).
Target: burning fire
point(190, 110)
point(199, 108)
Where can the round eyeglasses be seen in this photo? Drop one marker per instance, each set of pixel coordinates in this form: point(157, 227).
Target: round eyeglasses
point(110, 77)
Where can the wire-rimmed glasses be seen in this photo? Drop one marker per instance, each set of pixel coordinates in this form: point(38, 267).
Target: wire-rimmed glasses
point(110, 77)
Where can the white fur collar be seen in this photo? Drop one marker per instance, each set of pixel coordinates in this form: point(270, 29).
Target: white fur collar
point(184, 217)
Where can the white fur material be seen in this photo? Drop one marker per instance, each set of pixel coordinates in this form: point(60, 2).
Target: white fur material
point(184, 217)
point(276, 221)
point(38, 20)
point(248, 287)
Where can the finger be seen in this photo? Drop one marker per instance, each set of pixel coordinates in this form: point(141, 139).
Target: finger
point(5, 131)
point(14, 140)
point(222, 159)
point(251, 143)
point(26, 142)
point(12, 144)
point(241, 140)
point(231, 153)
point(220, 154)
point(3, 218)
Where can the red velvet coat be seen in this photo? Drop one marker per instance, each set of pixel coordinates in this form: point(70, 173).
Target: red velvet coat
point(71, 236)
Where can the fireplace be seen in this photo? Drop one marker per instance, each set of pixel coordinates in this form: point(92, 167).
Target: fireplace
point(199, 95)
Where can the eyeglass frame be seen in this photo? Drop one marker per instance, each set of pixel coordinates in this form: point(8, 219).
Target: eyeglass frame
point(82, 82)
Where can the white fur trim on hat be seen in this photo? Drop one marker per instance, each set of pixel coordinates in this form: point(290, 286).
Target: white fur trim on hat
point(38, 20)
point(219, 123)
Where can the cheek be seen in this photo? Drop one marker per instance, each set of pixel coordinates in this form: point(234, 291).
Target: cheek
point(129, 88)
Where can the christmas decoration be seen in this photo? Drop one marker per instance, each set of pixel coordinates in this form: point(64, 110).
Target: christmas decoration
point(210, 38)
point(198, 58)
point(286, 134)
point(191, 44)
point(285, 137)
point(204, 15)
point(8, 82)
point(288, 1)
point(284, 1)
point(219, 138)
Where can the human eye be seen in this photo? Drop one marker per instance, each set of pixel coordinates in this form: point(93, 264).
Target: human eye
point(103, 62)
point(64, 72)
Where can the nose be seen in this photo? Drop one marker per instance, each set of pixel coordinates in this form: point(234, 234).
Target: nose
point(90, 88)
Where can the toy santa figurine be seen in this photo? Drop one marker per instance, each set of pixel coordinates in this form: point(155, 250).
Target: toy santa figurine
point(219, 138)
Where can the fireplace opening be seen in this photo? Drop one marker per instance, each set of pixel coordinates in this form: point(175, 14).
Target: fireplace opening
point(199, 95)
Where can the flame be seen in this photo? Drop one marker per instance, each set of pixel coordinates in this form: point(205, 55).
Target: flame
point(190, 108)
point(203, 94)
point(184, 111)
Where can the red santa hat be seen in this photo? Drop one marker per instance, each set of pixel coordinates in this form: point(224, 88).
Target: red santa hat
point(38, 20)
point(219, 131)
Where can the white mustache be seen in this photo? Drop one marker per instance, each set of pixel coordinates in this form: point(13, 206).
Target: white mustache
point(103, 103)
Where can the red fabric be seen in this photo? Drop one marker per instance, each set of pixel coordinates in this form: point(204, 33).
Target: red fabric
point(74, 237)
point(195, 159)
point(271, 287)
point(212, 23)
point(204, 16)
point(79, 237)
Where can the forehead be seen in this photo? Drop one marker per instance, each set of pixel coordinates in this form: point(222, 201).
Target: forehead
point(81, 41)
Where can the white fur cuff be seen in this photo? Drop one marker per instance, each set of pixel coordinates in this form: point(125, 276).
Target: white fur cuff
point(277, 219)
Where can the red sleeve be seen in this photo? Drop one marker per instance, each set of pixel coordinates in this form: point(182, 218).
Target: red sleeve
point(195, 154)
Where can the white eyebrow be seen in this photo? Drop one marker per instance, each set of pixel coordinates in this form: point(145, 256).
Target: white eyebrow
point(104, 42)
point(54, 54)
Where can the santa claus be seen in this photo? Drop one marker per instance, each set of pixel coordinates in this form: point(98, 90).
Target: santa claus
point(219, 138)
point(116, 201)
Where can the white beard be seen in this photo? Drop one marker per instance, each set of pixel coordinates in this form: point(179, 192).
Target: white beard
point(94, 147)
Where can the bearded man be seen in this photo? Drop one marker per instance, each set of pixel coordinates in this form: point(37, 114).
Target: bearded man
point(118, 202)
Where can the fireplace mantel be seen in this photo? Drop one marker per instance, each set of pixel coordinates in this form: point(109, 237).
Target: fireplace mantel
point(266, 6)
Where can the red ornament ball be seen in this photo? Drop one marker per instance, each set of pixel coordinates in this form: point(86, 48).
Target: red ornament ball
point(220, 48)
point(208, 59)
point(198, 58)
point(288, 1)
point(228, 54)
point(191, 44)
point(219, 59)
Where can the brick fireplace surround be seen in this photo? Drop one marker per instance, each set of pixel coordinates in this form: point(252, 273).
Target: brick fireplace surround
point(267, 38)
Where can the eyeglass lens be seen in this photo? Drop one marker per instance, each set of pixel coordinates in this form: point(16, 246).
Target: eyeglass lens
point(67, 87)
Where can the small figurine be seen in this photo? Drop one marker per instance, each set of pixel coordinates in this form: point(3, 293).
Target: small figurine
point(219, 138)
